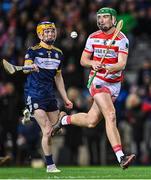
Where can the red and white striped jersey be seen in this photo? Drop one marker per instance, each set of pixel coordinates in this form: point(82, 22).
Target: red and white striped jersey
point(97, 44)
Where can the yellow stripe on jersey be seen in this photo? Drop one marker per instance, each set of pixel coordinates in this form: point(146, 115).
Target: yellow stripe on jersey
point(28, 61)
point(35, 47)
point(43, 45)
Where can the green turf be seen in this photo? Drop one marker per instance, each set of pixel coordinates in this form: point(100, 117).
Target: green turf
point(77, 173)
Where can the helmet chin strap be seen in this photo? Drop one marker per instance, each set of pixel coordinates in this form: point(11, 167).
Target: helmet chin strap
point(49, 42)
point(114, 20)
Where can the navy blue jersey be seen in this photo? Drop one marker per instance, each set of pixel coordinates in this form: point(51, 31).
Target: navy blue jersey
point(40, 85)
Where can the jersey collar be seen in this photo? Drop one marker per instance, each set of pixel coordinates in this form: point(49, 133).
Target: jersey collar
point(44, 45)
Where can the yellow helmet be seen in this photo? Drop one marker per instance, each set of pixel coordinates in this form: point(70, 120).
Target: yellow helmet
point(44, 25)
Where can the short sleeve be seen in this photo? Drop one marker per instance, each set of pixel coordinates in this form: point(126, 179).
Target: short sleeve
point(124, 46)
point(89, 45)
point(29, 56)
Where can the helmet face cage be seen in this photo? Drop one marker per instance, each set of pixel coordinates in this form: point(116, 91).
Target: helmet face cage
point(44, 25)
point(108, 11)
point(40, 31)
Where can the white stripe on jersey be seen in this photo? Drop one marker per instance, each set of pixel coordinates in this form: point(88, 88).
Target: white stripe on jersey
point(47, 63)
point(99, 53)
point(99, 41)
point(110, 76)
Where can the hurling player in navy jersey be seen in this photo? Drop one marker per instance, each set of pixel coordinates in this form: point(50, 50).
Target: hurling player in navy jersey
point(46, 61)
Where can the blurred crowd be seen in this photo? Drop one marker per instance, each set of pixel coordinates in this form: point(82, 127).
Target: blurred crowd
point(18, 20)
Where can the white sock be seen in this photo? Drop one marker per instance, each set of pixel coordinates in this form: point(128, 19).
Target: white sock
point(64, 120)
point(119, 154)
point(51, 166)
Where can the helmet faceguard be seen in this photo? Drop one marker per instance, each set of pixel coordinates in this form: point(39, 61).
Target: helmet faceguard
point(107, 11)
point(43, 26)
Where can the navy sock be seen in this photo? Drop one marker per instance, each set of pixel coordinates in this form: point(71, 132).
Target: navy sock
point(49, 160)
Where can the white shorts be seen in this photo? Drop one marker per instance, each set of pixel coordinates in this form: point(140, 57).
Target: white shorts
point(99, 85)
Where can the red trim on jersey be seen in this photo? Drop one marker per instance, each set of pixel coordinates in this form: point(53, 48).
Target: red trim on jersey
point(95, 33)
point(87, 51)
point(111, 80)
point(105, 46)
point(121, 35)
point(106, 60)
point(101, 35)
point(100, 71)
point(123, 52)
point(118, 79)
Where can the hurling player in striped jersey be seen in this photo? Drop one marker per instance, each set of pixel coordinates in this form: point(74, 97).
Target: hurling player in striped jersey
point(46, 60)
point(106, 85)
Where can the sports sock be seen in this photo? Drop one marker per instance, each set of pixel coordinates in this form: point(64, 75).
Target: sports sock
point(49, 160)
point(66, 120)
point(118, 152)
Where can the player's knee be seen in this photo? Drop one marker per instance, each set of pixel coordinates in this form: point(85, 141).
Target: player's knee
point(92, 125)
point(92, 122)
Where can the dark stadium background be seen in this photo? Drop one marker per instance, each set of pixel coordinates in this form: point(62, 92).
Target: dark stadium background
point(76, 146)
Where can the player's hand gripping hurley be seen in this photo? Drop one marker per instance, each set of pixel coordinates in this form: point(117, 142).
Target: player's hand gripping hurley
point(11, 69)
point(118, 29)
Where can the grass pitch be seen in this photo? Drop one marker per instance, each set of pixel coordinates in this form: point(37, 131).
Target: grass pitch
point(77, 173)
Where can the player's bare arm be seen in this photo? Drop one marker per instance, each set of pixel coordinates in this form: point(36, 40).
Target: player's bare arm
point(61, 88)
point(120, 65)
point(87, 62)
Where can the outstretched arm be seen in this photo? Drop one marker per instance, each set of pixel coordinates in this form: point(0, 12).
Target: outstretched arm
point(29, 61)
point(33, 66)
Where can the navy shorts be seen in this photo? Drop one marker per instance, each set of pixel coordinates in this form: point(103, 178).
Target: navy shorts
point(48, 105)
